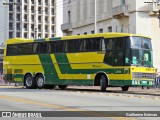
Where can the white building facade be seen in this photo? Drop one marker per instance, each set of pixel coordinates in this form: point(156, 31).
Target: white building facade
point(30, 19)
point(131, 16)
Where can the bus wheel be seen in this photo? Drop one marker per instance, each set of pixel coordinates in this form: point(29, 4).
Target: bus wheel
point(103, 83)
point(125, 88)
point(62, 86)
point(29, 82)
point(40, 81)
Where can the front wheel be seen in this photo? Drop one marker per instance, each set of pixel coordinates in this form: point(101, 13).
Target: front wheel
point(103, 83)
point(125, 88)
point(62, 86)
point(40, 81)
point(30, 82)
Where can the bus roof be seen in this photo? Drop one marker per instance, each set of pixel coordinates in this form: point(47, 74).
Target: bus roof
point(105, 35)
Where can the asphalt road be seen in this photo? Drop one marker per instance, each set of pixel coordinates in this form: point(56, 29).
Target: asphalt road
point(91, 102)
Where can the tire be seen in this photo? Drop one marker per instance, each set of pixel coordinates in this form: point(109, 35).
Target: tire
point(125, 88)
point(103, 83)
point(40, 81)
point(62, 86)
point(30, 82)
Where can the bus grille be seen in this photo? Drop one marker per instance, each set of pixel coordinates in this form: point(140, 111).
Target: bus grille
point(143, 75)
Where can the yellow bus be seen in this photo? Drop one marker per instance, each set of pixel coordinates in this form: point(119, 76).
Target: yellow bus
point(105, 60)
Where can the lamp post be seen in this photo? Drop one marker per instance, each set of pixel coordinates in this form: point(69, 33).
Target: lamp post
point(95, 17)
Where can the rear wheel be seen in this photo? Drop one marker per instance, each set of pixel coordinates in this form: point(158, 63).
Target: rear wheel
point(62, 86)
point(125, 88)
point(40, 81)
point(30, 82)
point(103, 83)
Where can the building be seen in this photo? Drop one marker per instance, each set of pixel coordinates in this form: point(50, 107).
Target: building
point(30, 19)
point(131, 16)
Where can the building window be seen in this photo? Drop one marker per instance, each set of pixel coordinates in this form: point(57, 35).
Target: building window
point(39, 2)
point(52, 20)
point(10, 26)
point(39, 35)
point(46, 11)
point(110, 29)
point(25, 9)
point(52, 29)
point(25, 27)
point(39, 28)
point(39, 19)
point(18, 26)
point(52, 11)
point(10, 7)
point(25, 35)
point(18, 34)
point(25, 1)
point(18, 1)
point(18, 9)
point(32, 18)
point(18, 17)
point(32, 9)
point(40, 10)
point(10, 34)
point(32, 35)
point(25, 18)
point(32, 27)
point(52, 35)
point(46, 28)
point(46, 35)
point(46, 2)
point(32, 1)
point(11, 16)
point(92, 32)
point(46, 19)
point(101, 30)
point(69, 16)
point(52, 2)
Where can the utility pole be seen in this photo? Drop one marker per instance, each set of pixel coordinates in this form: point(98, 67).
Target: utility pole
point(95, 17)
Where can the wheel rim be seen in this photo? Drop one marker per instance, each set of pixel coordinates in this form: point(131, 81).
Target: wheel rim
point(29, 81)
point(40, 81)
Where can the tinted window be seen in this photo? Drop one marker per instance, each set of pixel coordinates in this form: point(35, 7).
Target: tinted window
point(12, 50)
point(114, 58)
point(115, 43)
point(40, 48)
point(25, 49)
point(57, 46)
point(93, 44)
point(147, 43)
point(70, 46)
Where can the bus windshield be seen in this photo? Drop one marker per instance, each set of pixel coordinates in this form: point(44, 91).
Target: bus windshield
point(139, 51)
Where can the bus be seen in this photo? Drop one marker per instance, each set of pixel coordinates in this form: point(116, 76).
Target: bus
point(105, 59)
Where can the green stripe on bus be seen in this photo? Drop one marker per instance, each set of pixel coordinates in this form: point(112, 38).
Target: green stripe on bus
point(51, 76)
point(57, 38)
point(39, 40)
point(65, 67)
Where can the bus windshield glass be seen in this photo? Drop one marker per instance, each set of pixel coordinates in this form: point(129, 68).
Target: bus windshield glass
point(139, 51)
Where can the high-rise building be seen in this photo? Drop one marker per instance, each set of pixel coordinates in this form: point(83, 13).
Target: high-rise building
point(131, 16)
point(30, 19)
